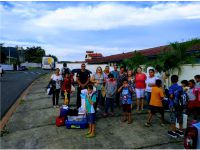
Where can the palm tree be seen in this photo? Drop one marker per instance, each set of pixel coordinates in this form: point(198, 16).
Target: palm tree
point(179, 55)
point(135, 61)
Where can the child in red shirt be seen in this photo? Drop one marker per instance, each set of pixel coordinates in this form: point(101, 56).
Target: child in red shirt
point(66, 87)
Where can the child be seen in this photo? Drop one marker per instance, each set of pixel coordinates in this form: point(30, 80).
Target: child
point(111, 87)
point(66, 87)
point(176, 112)
point(184, 84)
point(197, 78)
point(89, 101)
point(155, 104)
point(126, 100)
point(193, 103)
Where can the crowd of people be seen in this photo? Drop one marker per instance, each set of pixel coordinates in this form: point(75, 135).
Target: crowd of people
point(109, 89)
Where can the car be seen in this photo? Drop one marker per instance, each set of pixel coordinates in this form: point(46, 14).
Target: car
point(22, 68)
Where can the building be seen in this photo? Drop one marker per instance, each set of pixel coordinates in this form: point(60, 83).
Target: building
point(151, 53)
point(90, 55)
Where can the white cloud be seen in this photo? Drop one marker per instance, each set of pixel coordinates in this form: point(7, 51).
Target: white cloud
point(33, 23)
point(114, 15)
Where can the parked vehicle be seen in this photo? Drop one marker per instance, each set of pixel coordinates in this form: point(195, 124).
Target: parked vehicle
point(48, 62)
point(22, 68)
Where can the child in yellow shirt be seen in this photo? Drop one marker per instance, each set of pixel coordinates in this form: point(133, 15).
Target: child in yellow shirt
point(155, 104)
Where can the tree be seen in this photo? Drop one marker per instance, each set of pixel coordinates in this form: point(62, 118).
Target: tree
point(3, 55)
point(135, 61)
point(179, 55)
point(34, 54)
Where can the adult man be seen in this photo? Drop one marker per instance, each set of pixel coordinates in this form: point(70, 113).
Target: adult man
point(65, 70)
point(115, 72)
point(82, 78)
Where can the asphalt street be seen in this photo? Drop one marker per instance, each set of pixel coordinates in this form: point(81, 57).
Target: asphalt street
point(13, 83)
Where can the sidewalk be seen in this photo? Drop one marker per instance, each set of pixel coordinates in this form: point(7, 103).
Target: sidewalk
point(33, 126)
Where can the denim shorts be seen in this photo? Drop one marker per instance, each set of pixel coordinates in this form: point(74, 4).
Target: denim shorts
point(91, 118)
point(176, 113)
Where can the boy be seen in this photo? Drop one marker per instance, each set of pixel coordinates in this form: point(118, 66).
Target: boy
point(89, 101)
point(111, 87)
point(176, 111)
point(156, 103)
point(126, 100)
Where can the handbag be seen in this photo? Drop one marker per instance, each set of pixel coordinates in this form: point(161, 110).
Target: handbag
point(165, 103)
point(103, 91)
point(73, 88)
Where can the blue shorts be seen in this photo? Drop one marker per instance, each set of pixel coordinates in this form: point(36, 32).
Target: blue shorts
point(91, 118)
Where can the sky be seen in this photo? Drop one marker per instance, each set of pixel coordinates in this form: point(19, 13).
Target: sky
point(68, 29)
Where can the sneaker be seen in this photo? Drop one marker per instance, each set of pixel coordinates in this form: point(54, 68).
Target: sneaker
point(105, 115)
point(180, 133)
point(54, 106)
point(172, 134)
point(111, 114)
point(57, 106)
point(147, 124)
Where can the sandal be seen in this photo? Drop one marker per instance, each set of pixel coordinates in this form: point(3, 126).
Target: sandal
point(90, 136)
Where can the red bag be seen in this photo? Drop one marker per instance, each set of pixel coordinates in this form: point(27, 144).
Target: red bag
point(60, 121)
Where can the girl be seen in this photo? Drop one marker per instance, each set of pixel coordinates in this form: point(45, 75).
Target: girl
point(193, 103)
point(66, 87)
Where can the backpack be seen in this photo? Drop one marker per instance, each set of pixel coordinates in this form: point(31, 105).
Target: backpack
point(66, 71)
point(181, 98)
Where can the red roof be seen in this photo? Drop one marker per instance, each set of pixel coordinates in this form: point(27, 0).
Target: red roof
point(95, 55)
point(146, 52)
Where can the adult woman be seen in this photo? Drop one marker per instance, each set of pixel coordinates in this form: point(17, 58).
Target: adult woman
point(56, 83)
point(130, 82)
point(106, 72)
point(140, 87)
point(150, 82)
point(98, 79)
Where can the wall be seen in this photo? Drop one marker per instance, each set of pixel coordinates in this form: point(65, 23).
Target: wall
point(31, 64)
point(7, 67)
point(91, 67)
point(188, 71)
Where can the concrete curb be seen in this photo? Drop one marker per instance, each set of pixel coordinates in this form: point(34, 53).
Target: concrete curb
point(12, 109)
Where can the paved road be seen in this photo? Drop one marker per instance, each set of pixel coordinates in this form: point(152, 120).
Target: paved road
point(13, 83)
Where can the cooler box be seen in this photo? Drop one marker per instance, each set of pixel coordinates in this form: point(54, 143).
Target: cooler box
point(80, 123)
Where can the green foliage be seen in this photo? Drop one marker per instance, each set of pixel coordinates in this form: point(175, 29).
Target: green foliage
point(34, 54)
point(3, 56)
point(135, 61)
point(168, 60)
